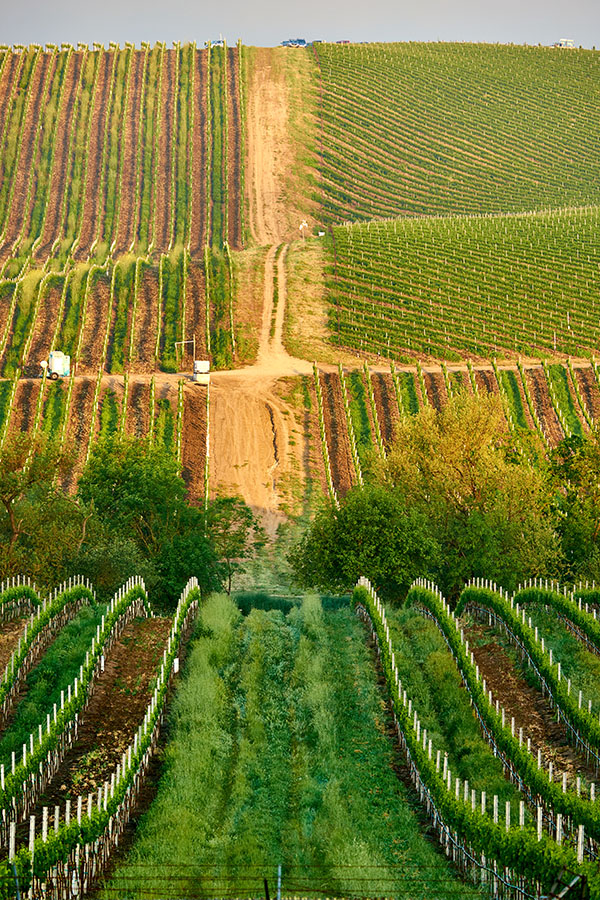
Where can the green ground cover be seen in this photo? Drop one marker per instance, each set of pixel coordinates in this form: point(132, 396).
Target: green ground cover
point(279, 753)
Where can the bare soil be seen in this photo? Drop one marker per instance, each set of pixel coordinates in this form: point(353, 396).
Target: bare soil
point(138, 414)
point(436, 389)
point(18, 213)
point(94, 328)
point(588, 387)
point(199, 159)
point(162, 198)
point(23, 411)
point(531, 711)
point(92, 203)
point(543, 404)
point(129, 199)
point(44, 326)
point(76, 440)
point(388, 413)
point(234, 150)
point(196, 307)
point(194, 446)
point(486, 381)
point(10, 632)
point(58, 177)
point(119, 701)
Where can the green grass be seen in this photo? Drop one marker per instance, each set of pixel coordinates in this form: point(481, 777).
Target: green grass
point(357, 398)
point(566, 402)
point(278, 753)
point(510, 383)
point(164, 430)
point(443, 128)
point(459, 286)
point(56, 670)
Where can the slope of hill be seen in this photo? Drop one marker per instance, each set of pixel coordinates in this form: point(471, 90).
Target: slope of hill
point(453, 286)
point(429, 129)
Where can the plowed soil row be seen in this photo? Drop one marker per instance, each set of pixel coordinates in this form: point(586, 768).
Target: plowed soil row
point(163, 197)
point(146, 319)
point(588, 388)
point(10, 632)
point(129, 199)
point(17, 213)
point(338, 442)
point(138, 410)
point(196, 306)
point(436, 389)
point(199, 161)
point(58, 177)
point(525, 703)
point(92, 202)
point(543, 405)
point(94, 328)
point(116, 709)
point(23, 410)
point(486, 381)
point(388, 413)
point(6, 84)
point(234, 161)
point(194, 446)
point(43, 328)
point(78, 427)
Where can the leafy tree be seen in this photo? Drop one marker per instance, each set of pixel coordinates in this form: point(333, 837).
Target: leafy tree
point(488, 509)
point(574, 475)
point(374, 534)
point(234, 532)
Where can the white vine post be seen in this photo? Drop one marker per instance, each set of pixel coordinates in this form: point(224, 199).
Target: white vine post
point(303, 227)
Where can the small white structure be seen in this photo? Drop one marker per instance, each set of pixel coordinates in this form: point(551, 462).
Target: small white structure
point(58, 365)
point(565, 44)
point(201, 371)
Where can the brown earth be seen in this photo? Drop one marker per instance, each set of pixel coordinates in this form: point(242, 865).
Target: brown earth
point(199, 159)
point(588, 387)
point(44, 326)
point(58, 177)
point(542, 403)
point(234, 161)
point(116, 709)
point(162, 198)
point(146, 322)
point(91, 202)
point(196, 307)
point(525, 703)
point(138, 413)
point(10, 632)
point(194, 446)
point(388, 413)
point(94, 328)
point(128, 196)
point(23, 409)
point(436, 389)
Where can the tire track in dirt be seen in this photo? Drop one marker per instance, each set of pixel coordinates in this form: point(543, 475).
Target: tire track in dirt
point(92, 203)
point(129, 199)
point(58, 176)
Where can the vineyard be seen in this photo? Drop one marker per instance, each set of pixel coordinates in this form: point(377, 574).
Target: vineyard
point(451, 129)
point(453, 287)
point(357, 410)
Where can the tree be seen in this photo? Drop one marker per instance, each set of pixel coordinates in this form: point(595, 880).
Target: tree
point(488, 508)
point(234, 533)
point(574, 476)
point(373, 533)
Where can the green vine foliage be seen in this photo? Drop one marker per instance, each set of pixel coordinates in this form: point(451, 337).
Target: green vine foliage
point(517, 849)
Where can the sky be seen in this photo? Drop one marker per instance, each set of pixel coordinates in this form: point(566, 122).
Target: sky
point(268, 22)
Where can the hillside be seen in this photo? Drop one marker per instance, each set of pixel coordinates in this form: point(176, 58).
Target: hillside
point(447, 129)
